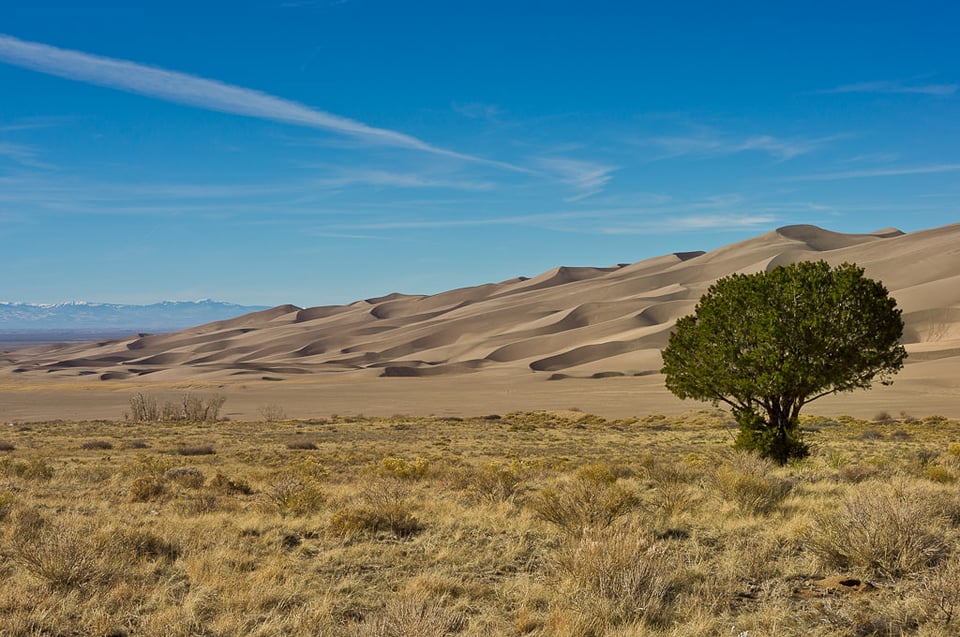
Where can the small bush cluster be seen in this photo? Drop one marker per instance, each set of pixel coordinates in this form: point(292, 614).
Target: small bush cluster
point(145, 408)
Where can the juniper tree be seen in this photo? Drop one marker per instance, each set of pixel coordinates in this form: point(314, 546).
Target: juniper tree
point(767, 344)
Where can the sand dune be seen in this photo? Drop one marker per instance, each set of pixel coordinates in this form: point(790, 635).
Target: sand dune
point(567, 323)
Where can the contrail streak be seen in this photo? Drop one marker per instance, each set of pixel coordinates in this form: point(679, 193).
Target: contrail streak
point(183, 88)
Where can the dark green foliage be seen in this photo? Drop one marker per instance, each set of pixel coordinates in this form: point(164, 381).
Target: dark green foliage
point(767, 344)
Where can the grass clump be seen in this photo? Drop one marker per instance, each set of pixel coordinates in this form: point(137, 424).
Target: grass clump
point(61, 555)
point(189, 477)
point(883, 529)
point(383, 508)
point(493, 481)
point(611, 578)
point(301, 445)
point(35, 468)
point(592, 499)
point(291, 495)
point(751, 483)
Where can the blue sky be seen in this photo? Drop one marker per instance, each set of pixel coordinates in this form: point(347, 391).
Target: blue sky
point(318, 152)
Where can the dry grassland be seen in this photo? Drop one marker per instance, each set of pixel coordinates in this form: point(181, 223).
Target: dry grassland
point(542, 523)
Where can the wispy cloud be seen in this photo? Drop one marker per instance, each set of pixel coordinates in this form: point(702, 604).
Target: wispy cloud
point(713, 144)
point(692, 223)
point(880, 172)
point(181, 88)
point(383, 178)
point(895, 87)
point(21, 154)
point(586, 177)
point(477, 110)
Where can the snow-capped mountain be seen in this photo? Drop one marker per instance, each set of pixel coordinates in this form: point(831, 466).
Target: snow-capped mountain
point(82, 315)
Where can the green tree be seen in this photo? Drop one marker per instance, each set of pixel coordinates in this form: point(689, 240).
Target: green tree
point(767, 344)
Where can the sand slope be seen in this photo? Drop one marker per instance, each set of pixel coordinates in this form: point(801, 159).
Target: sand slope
point(570, 322)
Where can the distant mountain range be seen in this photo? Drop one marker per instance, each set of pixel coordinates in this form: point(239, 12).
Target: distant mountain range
point(81, 315)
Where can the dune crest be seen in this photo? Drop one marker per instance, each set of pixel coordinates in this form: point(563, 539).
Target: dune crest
point(582, 322)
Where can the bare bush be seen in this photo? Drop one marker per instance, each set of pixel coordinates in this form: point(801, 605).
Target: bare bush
point(145, 408)
point(200, 409)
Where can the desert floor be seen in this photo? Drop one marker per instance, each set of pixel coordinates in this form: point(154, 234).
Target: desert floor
point(921, 389)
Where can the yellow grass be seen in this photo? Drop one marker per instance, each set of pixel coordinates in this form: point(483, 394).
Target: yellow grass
point(537, 523)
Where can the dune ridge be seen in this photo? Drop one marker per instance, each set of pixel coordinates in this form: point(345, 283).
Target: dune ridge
point(568, 322)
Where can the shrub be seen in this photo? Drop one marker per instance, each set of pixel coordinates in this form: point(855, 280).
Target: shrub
point(97, 444)
point(887, 530)
point(671, 482)
point(196, 450)
point(144, 408)
point(395, 518)
point(494, 481)
point(939, 473)
point(32, 469)
point(747, 481)
point(199, 409)
point(405, 469)
point(293, 496)
point(189, 477)
point(611, 578)
point(579, 504)
point(272, 412)
point(304, 445)
point(62, 555)
point(146, 488)
point(226, 485)
point(383, 508)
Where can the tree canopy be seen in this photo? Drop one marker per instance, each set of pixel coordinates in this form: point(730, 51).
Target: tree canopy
point(767, 344)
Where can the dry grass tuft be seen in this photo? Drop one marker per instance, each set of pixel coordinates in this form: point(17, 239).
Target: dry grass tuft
point(612, 578)
point(752, 483)
point(885, 530)
point(593, 499)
